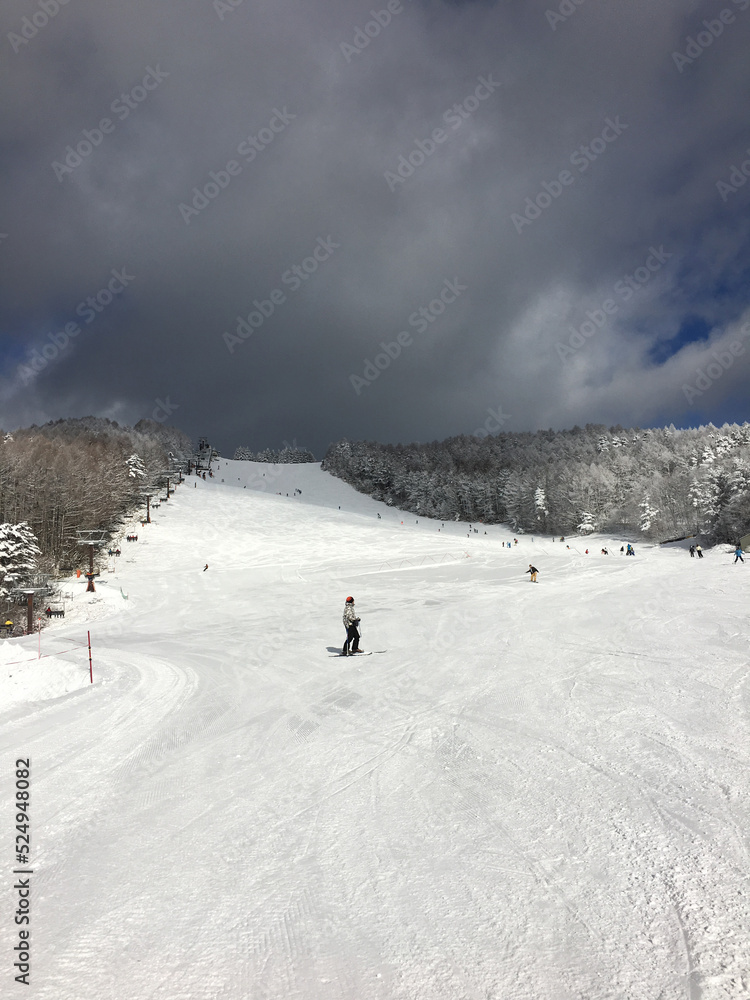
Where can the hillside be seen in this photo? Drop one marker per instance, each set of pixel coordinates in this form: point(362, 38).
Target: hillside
point(657, 483)
point(533, 791)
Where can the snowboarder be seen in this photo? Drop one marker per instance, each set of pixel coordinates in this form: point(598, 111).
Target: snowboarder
point(738, 555)
point(699, 550)
point(533, 570)
point(350, 624)
point(205, 567)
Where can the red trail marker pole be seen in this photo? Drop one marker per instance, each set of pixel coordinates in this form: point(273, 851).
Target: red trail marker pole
point(91, 665)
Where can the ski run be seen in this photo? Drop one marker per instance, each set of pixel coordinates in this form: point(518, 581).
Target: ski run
point(537, 792)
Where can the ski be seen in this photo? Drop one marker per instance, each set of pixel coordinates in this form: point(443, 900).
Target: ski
point(367, 652)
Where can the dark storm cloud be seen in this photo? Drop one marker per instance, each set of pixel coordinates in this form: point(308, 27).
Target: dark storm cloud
point(562, 163)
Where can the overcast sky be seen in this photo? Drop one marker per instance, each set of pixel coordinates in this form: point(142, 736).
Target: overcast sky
point(218, 212)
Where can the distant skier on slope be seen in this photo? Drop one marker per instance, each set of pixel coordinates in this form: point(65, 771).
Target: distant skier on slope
point(738, 555)
point(350, 624)
point(533, 570)
point(699, 550)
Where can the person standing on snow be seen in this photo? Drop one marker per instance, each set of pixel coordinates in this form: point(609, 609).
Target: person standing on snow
point(699, 550)
point(738, 555)
point(350, 624)
point(692, 552)
point(533, 570)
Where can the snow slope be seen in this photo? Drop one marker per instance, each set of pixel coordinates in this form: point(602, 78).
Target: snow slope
point(538, 792)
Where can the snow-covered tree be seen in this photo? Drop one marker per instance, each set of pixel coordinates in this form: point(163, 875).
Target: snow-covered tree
point(541, 507)
point(136, 468)
point(587, 523)
point(18, 555)
point(647, 516)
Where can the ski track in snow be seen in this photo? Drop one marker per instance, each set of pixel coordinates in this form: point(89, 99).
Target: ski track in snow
point(537, 792)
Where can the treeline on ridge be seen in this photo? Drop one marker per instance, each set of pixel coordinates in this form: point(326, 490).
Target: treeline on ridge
point(287, 456)
point(80, 474)
point(656, 483)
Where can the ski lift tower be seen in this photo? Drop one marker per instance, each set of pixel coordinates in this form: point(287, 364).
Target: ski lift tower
point(94, 539)
point(177, 466)
point(147, 492)
point(204, 453)
point(167, 474)
point(29, 594)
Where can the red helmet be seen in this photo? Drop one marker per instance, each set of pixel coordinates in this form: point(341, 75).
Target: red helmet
point(350, 600)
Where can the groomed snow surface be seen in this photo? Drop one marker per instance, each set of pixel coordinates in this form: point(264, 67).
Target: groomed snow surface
point(537, 792)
